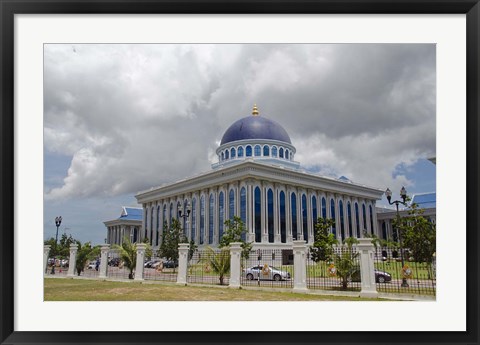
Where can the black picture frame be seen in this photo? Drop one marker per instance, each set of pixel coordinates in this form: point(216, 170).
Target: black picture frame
point(9, 8)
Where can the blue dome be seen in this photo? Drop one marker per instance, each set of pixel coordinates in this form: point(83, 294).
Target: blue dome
point(255, 127)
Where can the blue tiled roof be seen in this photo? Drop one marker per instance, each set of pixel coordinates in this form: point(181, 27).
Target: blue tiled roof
point(255, 127)
point(426, 200)
point(131, 213)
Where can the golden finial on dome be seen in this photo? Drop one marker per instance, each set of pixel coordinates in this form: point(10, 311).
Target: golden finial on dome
point(255, 110)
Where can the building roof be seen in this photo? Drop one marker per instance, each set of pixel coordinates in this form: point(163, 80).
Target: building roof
point(425, 200)
point(255, 127)
point(131, 213)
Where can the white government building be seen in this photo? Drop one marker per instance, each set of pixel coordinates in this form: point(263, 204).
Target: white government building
point(257, 179)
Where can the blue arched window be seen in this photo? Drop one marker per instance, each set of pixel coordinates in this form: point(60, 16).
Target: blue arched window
point(266, 150)
point(211, 205)
point(364, 217)
point(157, 230)
point(286, 154)
point(231, 204)
point(258, 150)
point(226, 154)
point(371, 219)
point(283, 225)
point(270, 216)
point(248, 151)
point(293, 204)
point(314, 212)
point(258, 215)
point(342, 220)
point(164, 216)
point(357, 219)
point(274, 151)
point(332, 213)
point(243, 208)
point(280, 153)
point(194, 218)
point(240, 152)
point(304, 218)
point(202, 219)
point(135, 235)
point(221, 215)
point(324, 208)
point(232, 153)
point(349, 215)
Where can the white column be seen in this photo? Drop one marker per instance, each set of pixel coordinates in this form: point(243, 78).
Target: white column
point(367, 270)
point(375, 219)
point(207, 217)
point(300, 265)
point(103, 260)
point(288, 215)
point(263, 208)
point(182, 263)
point(299, 216)
point(140, 261)
point(354, 219)
point(250, 222)
point(367, 210)
point(309, 217)
point(276, 215)
point(46, 251)
point(72, 260)
point(235, 255)
point(216, 213)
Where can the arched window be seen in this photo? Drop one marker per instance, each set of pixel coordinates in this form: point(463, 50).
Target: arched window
point(226, 154)
point(240, 151)
point(210, 218)
point(221, 215)
point(243, 208)
point(157, 230)
point(232, 153)
point(324, 208)
point(332, 213)
point(194, 218)
point(258, 215)
point(274, 151)
point(231, 204)
point(364, 218)
point(342, 220)
point(283, 225)
point(258, 150)
point(164, 216)
point(202, 219)
point(280, 153)
point(384, 230)
point(248, 151)
point(357, 219)
point(304, 218)
point(286, 154)
point(293, 204)
point(266, 150)
point(171, 214)
point(135, 235)
point(314, 212)
point(349, 215)
point(270, 215)
point(371, 220)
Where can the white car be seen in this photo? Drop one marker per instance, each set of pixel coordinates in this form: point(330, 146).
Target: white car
point(91, 265)
point(265, 272)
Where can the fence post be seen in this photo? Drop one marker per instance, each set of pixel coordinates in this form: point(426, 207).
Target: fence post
point(103, 260)
point(73, 260)
point(299, 265)
point(140, 261)
point(183, 249)
point(235, 263)
point(367, 268)
point(46, 251)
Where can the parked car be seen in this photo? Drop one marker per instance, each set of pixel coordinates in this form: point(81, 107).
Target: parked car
point(91, 265)
point(151, 263)
point(265, 272)
point(114, 262)
point(170, 264)
point(380, 276)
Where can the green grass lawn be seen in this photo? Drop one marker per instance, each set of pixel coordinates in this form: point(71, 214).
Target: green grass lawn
point(59, 289)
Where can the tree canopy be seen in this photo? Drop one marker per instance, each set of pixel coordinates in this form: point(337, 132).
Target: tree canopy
point(234, 229)
point(322, 248)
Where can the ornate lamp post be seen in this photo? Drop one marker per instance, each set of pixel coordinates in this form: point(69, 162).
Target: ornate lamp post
point(58, 221)
point(403, 195)
point(184, 215)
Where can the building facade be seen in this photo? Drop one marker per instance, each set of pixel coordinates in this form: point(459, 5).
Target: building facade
point(127, 225)
point(257, 179)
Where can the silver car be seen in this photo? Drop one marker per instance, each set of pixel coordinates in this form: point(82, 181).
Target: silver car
point(265, 272)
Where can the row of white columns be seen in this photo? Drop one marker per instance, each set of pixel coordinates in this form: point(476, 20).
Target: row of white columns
point(300, 250)
point(156, 222)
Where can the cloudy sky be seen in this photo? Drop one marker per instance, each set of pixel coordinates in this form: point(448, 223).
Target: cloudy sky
point(119, 119)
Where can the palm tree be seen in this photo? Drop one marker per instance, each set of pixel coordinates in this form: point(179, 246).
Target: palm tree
point(128, 254)
point(346, 263)
point(219, 262)
point(85, 252)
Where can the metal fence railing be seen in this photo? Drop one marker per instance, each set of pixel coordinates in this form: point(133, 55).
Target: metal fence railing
point(411, 277)
point(161, 272)
point(209, 266)
point(268, 268)
point(61, 266)
point(341, 272)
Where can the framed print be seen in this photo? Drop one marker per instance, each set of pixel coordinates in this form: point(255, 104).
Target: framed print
point(248, 146)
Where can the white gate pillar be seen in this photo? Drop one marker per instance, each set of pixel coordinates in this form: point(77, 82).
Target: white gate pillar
point(46, 251)
point(235, 262)
point(367, 269)
point(103, 261)
point(140, 261)
point(183, 249)
point(73, 260)
point(299, 265)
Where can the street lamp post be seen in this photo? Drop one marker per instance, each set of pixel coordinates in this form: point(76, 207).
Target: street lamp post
point(403, 195)
point(58, 221)
point(184, 215)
